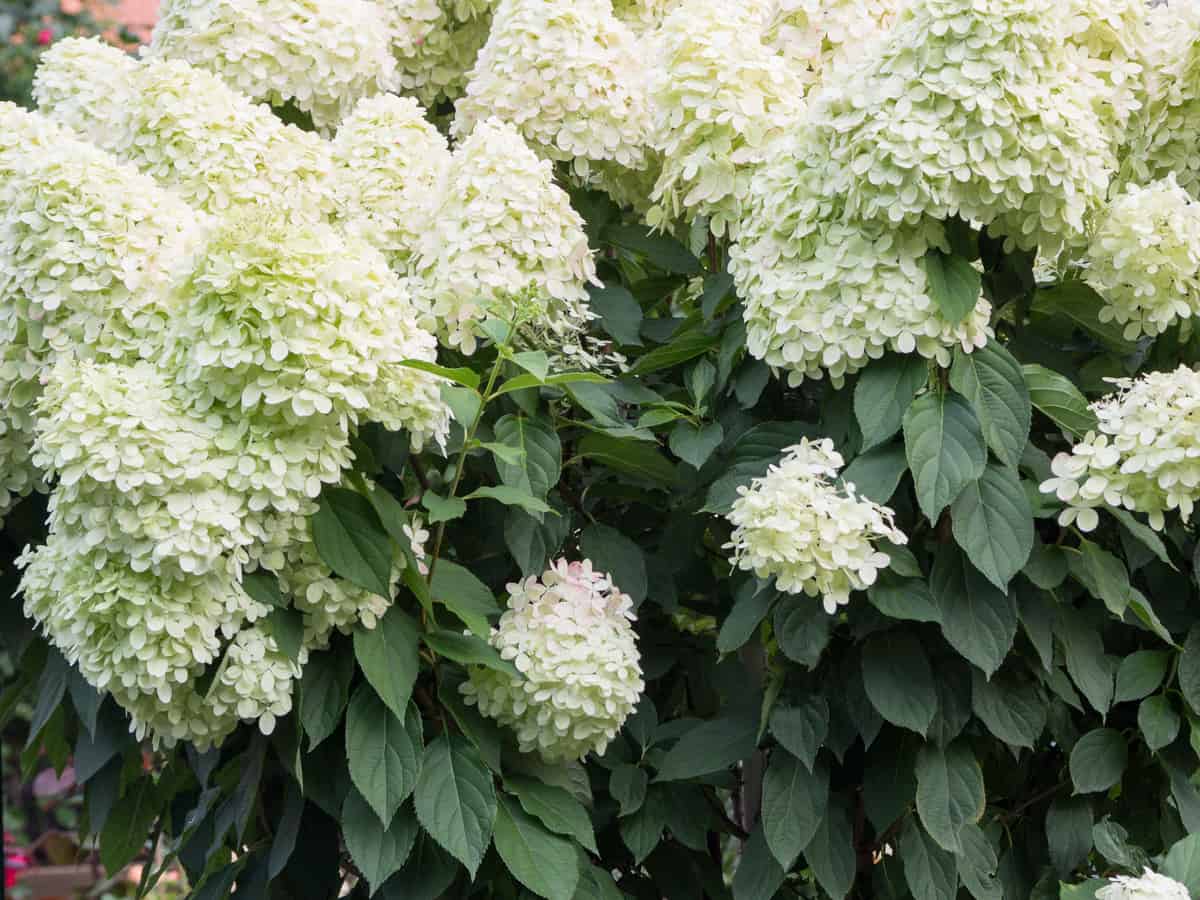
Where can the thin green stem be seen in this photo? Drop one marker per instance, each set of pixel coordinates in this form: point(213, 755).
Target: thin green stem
point(462, 454)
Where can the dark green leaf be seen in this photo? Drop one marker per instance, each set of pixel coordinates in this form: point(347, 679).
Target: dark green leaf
point(929, 870)
point(830, 854)
point(468, 649)
point(899, 681)
point(627, 784)
point(694, 445)
point(949, 791)
point(977, 865)
point(541, 454)
point(1158, 721)
point(993, 523)
point(384, 752)
point(1012, 710)
point(1059, 308)
point(1059, 400)
point(620, 314)
point(128, 824)
point(642, 831)
point(758, 874)
point(801, 728)
point(709, 747)
point(388, 657)
point(1069, 833)
point(554, 807)
point(945, 448)
point(751, 605)
point(664, 251)
point(883, 393)
point(1098, 760)
point(352, 541)
point(904, 598)
point(443, 509)
point(1140, 674)
point(324, 690)
point(510, 496)
point(978, 620)
point(954, 284)
point(876, 474)
point(1189, 669)
point(462, 375)
point(286, 626)
point(794, 801)
point(631, 457)
point(803, 628)
point(992, 381)
point(263, 587)
point(464, 595)
point(378, 852)
point(544, 862)
point(618, 556)
point(1182, 863)
point(455, 800)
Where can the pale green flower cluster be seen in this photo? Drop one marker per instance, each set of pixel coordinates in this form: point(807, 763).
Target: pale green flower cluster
point(1142, 457)
point(797, 526)
point(506, 239)
point(87, 248)
point(1150, 885)
point(1144, 258)
point(390, 167)
point(186, 352)
point(643, 16)
point(570, 77)
point(435, 43)
point(322, 56)
point(189, 130)
point(977, 108)
point(720, 97)
point(826, 294)
point(569, 635)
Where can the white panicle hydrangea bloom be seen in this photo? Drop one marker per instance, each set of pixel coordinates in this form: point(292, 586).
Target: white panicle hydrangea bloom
point(1110, 40)
point(796, 526)
point(569, 635)
point(321, 55)
point(962, 108)
point(570, 77)
point(435, 43)
point(89, 85)
point(506, 239)
point(827, 295)
point(1143, 456)
point(1144, 258)
point(327, 602)
point(291, 322)
point(815, 35)
point(1148, 886)
point(189, 130)
point(133, 473)
point(142, 636)
point(391, 166)
point(720, 96)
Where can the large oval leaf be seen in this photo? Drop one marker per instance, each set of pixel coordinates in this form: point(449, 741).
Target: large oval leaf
point(993, 523)
point(945, 448)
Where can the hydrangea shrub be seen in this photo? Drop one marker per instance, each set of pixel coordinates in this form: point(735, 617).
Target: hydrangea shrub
point(585, 450)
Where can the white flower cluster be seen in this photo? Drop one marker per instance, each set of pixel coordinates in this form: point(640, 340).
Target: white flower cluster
point(826, 295)
point(188, 129)
point(569, 77)
point(504, 240)
point(193, 324)
point(797, 526)
point(720, 97)
point(320, 55)
point(390, 167)
point(974, 108)
point(1144, 258)
point(435, 43)
point(643, 16)
point(1143, 457)
point(1148, 886)
point(569, 635)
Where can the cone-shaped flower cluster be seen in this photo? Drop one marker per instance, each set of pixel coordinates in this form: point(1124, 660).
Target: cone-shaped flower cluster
point(1143, 457)
point(797, 526)
point(435, 43)
point(569, 635)
point(1144, 258)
